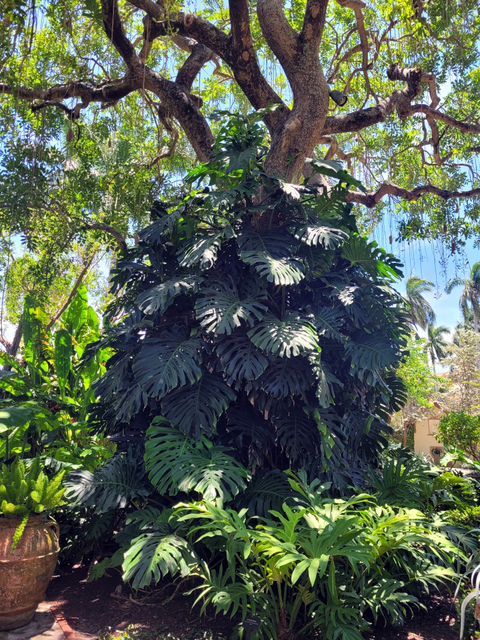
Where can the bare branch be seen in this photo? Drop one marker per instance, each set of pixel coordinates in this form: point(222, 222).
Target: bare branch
point(107, 94)
point(200, 54)
point(461, 125)
point(113, 26)
point(357, 6)
point(387, 188)
point(313, 22)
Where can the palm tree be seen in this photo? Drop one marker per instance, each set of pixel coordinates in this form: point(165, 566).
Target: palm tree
point(436, 345)
point(420, 310)
point(470, 294)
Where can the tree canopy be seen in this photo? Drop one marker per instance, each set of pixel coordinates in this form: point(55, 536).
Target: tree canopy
point(150, 73)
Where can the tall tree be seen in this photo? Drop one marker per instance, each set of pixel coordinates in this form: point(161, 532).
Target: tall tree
point(469, 298)
point(436, 345)
point(171, 66)
point(421, 312)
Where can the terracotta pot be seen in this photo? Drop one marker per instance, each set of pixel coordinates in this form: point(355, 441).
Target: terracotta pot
point(25, 572)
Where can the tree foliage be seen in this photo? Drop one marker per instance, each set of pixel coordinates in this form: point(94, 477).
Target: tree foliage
point(99, 98)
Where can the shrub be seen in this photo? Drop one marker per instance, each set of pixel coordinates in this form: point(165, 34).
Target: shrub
point(460, 430)
point(255, 315)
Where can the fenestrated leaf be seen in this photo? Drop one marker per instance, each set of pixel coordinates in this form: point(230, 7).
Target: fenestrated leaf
point(168, 362)
point(267, 492)
point(240, 359)
point(372, 351)
point(154, 554)
point(297, 434)
point(203, 249)
point(321, 234)
point(272, 255)
point(285, 338)
point(178, 463)
point(154, 232)
point(160, 297)
point(196, 408)
point(285, 376)
point(220, 309)
point(112, 486)
point(368, 255)
point(329, 322)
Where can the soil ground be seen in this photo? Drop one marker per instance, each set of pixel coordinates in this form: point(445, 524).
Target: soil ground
point(102, 607)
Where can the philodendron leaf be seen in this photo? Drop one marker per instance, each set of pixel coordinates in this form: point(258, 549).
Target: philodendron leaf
point(291, 336)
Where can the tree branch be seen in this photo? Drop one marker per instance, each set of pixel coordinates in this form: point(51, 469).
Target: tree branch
point(387, 188)
point(107, 94)
point(108, 228)
point(314, 22)
point(72, 293)
point(200, 54)
point(236, 49)
point(113, 26)
point(298, 55)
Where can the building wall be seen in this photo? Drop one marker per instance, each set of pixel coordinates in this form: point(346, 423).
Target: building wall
point(424, 439)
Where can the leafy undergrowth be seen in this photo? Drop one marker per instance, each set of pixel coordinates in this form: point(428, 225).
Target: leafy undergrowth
point(163, 633)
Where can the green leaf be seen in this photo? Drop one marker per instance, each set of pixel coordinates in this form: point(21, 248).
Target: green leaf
point(196, 408)
point(167, 363)
point(271, 254)
point(329, 322)
point(285, 376)
point(203, 249)
point(75, 316)
point(239, 358)
point(62, 356)
point(12, 417)
point(177, 463)
point(374, 260)
point(371, 352)
point(334, 170)
point(160, 297)
point(219, 309)
point(321, 234)
point(151, 556)
point(285, 338)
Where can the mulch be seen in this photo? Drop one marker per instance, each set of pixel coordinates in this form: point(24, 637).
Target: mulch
point(93, 608)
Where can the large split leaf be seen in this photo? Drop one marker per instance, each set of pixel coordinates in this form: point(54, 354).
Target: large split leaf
point(195, 409)
point(240, 359)
point(220, 309)
point(167, 363)
point(160, 297)
point(272, 256)
point(285, 338)
point(176, 462)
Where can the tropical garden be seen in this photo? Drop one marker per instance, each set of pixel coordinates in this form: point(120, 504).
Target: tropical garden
point(211, 373)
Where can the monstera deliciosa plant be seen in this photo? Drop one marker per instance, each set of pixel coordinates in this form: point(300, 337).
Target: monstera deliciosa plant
point(257, 321)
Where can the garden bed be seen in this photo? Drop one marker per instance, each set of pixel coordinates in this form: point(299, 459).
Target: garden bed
point(91, 610)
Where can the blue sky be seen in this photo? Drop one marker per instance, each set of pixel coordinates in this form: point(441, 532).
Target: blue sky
point(432, 261)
